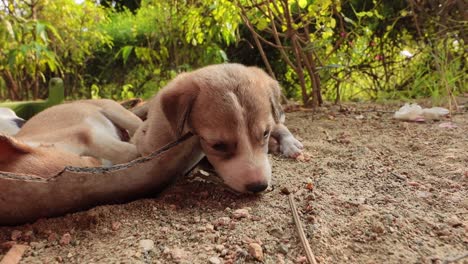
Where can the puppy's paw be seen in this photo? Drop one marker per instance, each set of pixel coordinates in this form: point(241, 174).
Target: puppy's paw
point(291, 147)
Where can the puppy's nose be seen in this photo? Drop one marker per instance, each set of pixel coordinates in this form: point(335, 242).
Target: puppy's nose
point(257, 187)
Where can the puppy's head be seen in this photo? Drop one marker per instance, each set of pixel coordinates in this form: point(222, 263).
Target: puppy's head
point(232, 108)
point(44, 161)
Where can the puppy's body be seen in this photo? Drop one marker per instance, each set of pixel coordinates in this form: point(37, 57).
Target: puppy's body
point(82, 133)
point(10, 124)
point(232, 109)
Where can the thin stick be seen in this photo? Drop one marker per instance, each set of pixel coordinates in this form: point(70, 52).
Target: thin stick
point(451, 260)
point(14, 255)
point(300, 230)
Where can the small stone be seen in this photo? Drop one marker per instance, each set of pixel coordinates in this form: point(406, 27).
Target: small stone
point(276, 232)
point(28, 235)
point(66, 239)
point(285, 190)
point(280, 259)
point(116, 225)
point(224, 252)
point(240, 213)
point(423, 194)
point(146, 245)
point(178, 254)
point(219, 248)
point(16, 235)
point(364, 207)
point(301, 259)
point(209, 227)
point(52, 237)
point(454, 221)
point(214, 260)
point(283, 249)
point(256, 251)
point(378, 228)
point(37, 245)
point(222, 221)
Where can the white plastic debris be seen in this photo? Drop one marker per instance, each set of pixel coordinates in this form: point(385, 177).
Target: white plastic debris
point(414, 112)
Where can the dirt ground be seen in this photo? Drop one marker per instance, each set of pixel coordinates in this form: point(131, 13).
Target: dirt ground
point(375, 190)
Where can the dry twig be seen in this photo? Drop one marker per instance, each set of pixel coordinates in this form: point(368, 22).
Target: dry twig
point(455, 259)
point(300, 230)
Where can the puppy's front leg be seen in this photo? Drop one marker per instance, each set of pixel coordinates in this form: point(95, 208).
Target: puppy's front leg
point(288, 145)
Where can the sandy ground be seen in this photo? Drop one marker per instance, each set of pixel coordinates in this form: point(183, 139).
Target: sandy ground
point(375, 190)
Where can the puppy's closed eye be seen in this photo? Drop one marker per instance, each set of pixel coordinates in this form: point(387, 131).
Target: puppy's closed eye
point(220, 146)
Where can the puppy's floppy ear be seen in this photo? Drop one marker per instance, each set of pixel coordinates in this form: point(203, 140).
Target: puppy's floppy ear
point(177, 101)
point(10, 148)
point(276, 108)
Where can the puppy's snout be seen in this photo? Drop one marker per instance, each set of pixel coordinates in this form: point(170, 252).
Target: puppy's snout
point(257, 187)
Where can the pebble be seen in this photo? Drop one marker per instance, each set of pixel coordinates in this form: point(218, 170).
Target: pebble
point(276, 232)
point(37, 245)
point(256, 251)
point(116, 225)
point(52, 237)
point(378, 228)
point(222, 221)
point(146, 245)
point(209, 227)
point(280, 259)
point(16, 235)
point(454, 221)
point(214, 260)
point(283, 249)
point(240, 213)
point(423, 194)
point(223, 253)
point(301, 259)
point(178, 254)
point(66, 239)
point(219, 248)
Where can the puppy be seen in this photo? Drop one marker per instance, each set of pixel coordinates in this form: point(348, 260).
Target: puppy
point(10, 124)
point(84, 133)
point(233, 110)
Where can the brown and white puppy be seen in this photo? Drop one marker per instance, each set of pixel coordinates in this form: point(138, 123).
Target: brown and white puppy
point(83, 133)
point(233, 109)
point(10, 124)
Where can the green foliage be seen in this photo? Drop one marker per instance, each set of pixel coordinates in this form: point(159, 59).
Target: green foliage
point(47, 37)
point(163, 38)
point(346, 50)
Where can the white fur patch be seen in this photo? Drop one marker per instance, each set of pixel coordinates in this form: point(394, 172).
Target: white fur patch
point(7, 123)
point(8, 127)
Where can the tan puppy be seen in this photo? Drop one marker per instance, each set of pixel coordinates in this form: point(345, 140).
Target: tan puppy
point(233, 110)
point(83, 133)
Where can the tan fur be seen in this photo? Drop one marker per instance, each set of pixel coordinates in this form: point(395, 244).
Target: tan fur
point(227, 104)
point(82, 133)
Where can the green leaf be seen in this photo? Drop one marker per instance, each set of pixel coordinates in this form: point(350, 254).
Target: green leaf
point(126, 51)
point(302, 3)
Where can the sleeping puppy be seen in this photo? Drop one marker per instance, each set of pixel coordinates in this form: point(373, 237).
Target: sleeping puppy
point(85, 133)
point(234, 110)
point(10, 124)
